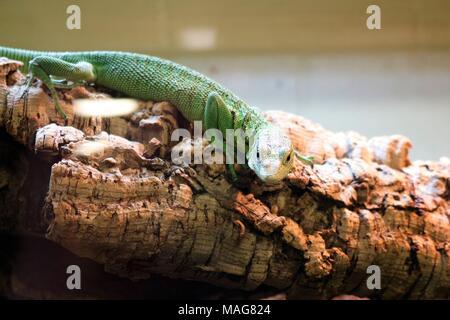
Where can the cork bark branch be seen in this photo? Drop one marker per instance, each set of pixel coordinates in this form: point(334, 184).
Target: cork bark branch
point(114, 196)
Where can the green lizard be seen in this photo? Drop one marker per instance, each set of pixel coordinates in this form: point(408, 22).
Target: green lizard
point(270, 155)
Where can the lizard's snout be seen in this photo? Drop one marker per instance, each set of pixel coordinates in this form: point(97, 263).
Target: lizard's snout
point(269, 171)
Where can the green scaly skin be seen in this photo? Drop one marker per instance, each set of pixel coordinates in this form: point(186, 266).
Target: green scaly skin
point(197, 97)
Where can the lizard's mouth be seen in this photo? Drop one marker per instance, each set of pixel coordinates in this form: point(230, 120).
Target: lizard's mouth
point(269, 168)
point(270, 171)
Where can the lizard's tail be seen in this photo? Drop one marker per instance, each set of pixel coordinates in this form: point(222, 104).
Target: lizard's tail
point(21, 55)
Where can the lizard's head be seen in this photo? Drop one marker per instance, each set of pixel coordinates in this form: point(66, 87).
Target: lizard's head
point(271, 154)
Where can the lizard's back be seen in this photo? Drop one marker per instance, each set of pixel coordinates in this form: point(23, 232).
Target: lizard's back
point(149, 78)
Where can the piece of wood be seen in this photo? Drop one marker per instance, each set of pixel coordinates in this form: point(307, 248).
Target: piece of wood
point(115, 197)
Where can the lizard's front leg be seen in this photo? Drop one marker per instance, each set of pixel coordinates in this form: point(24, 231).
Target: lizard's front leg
point(43, 67)
point(217, 115)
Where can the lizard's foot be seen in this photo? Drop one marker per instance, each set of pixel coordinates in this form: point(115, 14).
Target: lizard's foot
point(59, 109)
point(24, 94)
point(245, 166)
point(232, 173)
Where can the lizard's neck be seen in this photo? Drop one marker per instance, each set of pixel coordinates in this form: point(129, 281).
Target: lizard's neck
point(254, 121)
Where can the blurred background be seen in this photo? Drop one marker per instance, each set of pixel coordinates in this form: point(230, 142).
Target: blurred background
point(314, 58)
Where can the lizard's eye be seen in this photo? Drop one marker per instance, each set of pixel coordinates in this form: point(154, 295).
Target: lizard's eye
point(257, 154)
point(288, 158)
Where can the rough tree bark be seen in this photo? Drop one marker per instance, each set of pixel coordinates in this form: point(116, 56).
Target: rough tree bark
point(115, 197)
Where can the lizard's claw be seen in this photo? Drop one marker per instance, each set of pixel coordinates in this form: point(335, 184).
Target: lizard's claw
point(309, 160)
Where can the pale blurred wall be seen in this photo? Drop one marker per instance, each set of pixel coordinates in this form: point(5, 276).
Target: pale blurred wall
point(314, 58)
